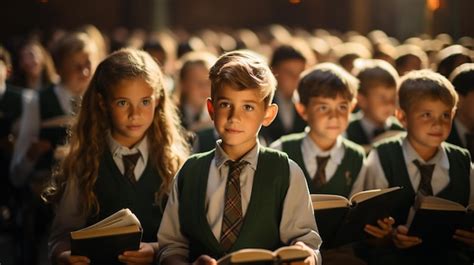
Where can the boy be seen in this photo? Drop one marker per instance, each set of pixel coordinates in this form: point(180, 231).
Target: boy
point(274, 207)
point(462, 132)
point(287, 64)
point(376, 98)
point(331, 163)
point(423, 163)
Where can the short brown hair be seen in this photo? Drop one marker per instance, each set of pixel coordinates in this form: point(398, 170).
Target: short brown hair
point(373, 73)
point(425, 84)
point(243, 70)
point(326, 80)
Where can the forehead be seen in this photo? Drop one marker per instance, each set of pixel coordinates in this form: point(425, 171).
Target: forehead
point(131, 88)
point(428, 104)
point(328, 100)
point(234, 94)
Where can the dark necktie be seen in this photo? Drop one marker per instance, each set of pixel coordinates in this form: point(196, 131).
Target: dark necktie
point(129, 163)
point(232, 218)
point(319, 178)
point(378, 131)
point(426, 172)
point(470, 144)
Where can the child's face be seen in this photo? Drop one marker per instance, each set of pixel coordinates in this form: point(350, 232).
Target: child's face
point(197, 86)
point(131, 107)
point(32, 60)
point(76, 71)
point(287, 73)
point(379, 103)
point(327, 118)
point(238, 116)
point(428, 123)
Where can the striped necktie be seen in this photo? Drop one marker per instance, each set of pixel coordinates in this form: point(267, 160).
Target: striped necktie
point(426, 172)
point(129, 163)
point(319, 178)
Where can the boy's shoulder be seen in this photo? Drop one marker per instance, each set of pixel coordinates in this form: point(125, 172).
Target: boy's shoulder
point(390, 141)
point(455, 149)
point(294, 137)
point(350, 145)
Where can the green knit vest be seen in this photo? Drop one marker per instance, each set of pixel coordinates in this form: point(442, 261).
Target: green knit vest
point(395, 170)
point(356, 133)
point(114, 192)
point(260, 228)
point(346, 174)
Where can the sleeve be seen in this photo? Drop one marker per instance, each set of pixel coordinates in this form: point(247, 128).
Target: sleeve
point(375, 177)
point(297, 222)
point(359, 184)
point(471, 184)
point(170, 239)
point(20, 166)
point(68, 218)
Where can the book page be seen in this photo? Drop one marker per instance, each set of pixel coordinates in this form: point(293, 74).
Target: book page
point(292, 253)
point(437, 203)
point(327, 201)
point(368, 194)
point(247, 255)
point(121, 218)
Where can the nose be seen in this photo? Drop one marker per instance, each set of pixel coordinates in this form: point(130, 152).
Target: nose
point(234, 114)
point(134, 112)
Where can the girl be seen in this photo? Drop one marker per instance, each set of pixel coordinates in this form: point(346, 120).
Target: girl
point(125, 111)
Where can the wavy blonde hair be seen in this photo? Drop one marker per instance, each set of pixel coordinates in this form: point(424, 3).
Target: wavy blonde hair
point(167, 144)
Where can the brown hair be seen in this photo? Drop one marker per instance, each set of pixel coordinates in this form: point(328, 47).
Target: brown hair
point(69, 44)
point(326, 80)
point(373, 73)
point(425, 84)
point(243, 70)
point(167, 145)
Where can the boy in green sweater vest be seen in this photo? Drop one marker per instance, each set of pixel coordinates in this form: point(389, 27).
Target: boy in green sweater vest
point(239, 195)
point(427, 107)
point(332, 164)
point(376, 98)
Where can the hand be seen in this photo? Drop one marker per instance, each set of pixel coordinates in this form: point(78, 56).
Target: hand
point(37, 149)
point(401, 240)
point(65, 258)
point(384, 228)
point(205, 260)
point(311, 260)
point(465, 236)
point(144, 255)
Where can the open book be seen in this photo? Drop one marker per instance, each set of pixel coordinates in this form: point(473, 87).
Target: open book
point(103, 241)
point(286, 254)
point(341, 220)
point(435, 220)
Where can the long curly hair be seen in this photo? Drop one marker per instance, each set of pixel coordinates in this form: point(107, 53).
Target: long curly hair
point(87, 141)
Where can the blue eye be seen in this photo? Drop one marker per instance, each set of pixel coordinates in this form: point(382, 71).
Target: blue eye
point(146, 102)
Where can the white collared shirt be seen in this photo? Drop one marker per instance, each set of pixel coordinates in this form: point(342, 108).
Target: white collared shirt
point(309, 151)
point(297, 221)
point(118, 151)
point(369, 126)
point(376, 178)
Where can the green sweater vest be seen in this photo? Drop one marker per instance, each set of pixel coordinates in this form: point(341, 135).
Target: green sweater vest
point(346, 174)
point(115, 192)
point(356, 133)
point(395, 170)
point(260, 228)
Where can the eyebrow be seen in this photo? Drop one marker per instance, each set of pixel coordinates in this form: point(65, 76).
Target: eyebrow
point(245, 101)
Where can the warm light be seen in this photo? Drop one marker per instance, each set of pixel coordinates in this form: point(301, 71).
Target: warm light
point(295, 2)
point(433, 5)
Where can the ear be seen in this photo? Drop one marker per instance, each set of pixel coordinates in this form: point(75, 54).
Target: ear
point(362, 101)
point(401, 116)
point(301, 109)
point(270, 114)
point(210, 108)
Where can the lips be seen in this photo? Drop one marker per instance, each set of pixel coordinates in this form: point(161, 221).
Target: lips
point(134, 127)
point(233, 130)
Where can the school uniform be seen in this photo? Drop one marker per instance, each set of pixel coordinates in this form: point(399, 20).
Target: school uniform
point(460, 135)
point(345, 170)
point(453, 178)
point(276, 206)
point(362, 131)
point(114, 192)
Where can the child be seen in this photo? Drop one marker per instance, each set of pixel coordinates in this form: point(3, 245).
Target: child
point(462, 131)
point(376, 98)
point(427, 104)
point(126, 112)
point(331, 163)
point(287, 63)
point(274, 207)
point(451, 57)
point(194, 89)
point(410, 57)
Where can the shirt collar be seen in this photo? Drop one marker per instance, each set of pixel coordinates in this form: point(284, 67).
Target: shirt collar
point(370, 126)
point(119, 150)
point(251, 157)
point(440, 158)
point(336, 152)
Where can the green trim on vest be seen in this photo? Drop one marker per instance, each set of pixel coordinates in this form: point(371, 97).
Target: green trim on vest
point(261, 225)
point(346, 174)
point(393, 164)
point(115, 192)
